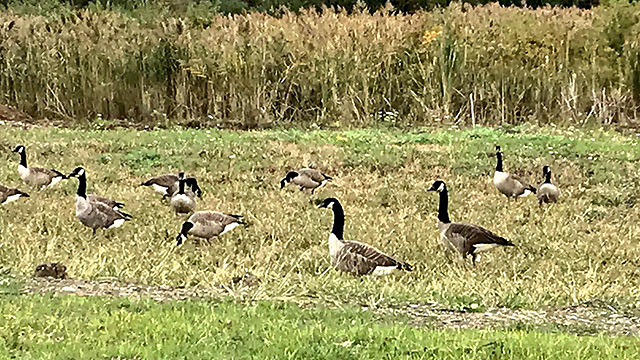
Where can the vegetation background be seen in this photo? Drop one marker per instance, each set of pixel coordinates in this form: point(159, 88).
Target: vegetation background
point(458, 64)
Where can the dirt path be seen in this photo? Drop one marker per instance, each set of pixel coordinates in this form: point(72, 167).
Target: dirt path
point(584, 319)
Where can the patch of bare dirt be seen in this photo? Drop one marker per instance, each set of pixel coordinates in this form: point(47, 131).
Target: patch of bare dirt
point(591, 317)
point(11, 114)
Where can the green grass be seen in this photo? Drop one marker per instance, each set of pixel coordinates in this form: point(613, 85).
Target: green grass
point(69, 327)
point(586, 246)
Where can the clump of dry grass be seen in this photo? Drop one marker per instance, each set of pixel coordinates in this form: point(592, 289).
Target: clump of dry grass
point(331, 68)
point(581, 248)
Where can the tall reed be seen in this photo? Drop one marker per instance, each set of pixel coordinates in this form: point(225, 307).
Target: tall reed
point(511, 65)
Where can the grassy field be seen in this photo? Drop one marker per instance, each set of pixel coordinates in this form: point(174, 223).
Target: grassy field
point(94, 328)
point(584, 247)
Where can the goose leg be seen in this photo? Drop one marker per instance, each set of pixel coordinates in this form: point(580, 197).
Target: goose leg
point(473, 259)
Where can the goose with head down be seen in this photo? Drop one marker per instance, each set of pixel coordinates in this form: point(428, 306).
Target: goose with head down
point(207, 224)
point(355, 257)
point(305, 178)
point(467, 239)
point(167, 185)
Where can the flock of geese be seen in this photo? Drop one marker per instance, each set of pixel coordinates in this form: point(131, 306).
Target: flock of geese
point(354, 257)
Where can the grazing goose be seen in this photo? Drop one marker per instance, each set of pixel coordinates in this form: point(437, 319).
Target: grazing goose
point(183, 202)
point(207, 224)
point(305, 178)
point(467, 239)
point(191, 185)
point(512, 186)
point(8, 195)
point(35, 176)
point(355, 257)
point(115, 205)
point(95, 214)
point(547, 192)
point(167, 184)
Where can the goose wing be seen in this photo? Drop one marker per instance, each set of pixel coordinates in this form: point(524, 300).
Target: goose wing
point(466, 236)
point(521, 184)
point(165, 180)
point(361, 259)
point(214, 217)
point(50, 173)
point(312, 174)
point(108, 215)
point(109, 202)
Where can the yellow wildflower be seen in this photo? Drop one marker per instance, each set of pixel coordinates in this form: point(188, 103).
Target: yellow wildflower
point(429, 36)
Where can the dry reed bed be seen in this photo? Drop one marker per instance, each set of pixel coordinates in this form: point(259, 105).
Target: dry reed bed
point(332, 68)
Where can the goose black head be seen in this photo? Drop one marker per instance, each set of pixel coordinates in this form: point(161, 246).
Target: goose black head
point(287, 179)
point(438, 185)
point(184, 230)
point(545, 170)
point(329, 203)
point(498, 149)
point(193, 184)
point(181, 176)
point(79, 171)
point(19, 149)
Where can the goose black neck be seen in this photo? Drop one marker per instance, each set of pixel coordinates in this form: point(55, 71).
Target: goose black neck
point(443, 207)
point(499, 164)
point(82, 186)
point(181, 186)
point(547, 177)
point(338, 221)
point(23, 158)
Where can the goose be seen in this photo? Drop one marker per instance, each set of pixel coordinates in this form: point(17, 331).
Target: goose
point(167, 184)
point(467, 239)
point(547, 192)
point(183, 202)
point(115, 205)
point(207, 224)
point(35, 176)
point(95, 214)
point(512, 186)
point(305, 178)
point(8, 194)
point(355, 257)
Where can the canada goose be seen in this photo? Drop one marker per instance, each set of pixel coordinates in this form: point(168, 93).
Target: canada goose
point(355, 257)
point(8, 195)
point(183, 202)
point(467, 239)
point(35, 176)
point(207, 224)
point(512, 186)
point(305, 178)
point(167, 184)
point(115, 205)
point(95, 214)
point(547, 192)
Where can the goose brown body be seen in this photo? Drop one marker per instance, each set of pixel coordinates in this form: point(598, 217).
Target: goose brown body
point(547, 192)
point(355, 257)
point(36, 176)
point(466, 239)
point(305, 178)
point(510, 185)
point(8, 194)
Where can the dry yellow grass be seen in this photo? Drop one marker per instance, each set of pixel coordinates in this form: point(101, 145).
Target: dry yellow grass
point(584, 247)
point(329, 68)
